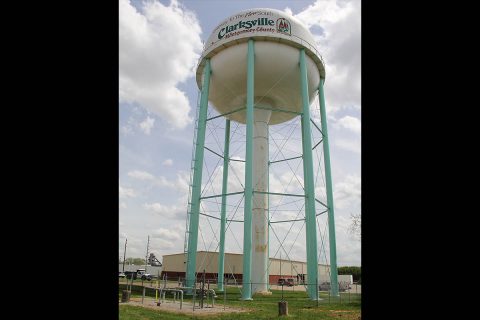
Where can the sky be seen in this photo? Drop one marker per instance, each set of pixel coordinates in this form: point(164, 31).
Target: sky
point(160, 43)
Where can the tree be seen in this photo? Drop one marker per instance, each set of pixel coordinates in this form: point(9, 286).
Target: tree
point(356, 272)
point(355, 227)
point(135, 261)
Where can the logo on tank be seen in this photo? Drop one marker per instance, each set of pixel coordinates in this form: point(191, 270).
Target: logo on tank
point(283, 26)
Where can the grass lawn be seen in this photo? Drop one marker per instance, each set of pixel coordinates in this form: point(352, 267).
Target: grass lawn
point(262, 307)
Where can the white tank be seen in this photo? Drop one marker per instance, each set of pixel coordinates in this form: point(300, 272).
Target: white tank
point(278, 36)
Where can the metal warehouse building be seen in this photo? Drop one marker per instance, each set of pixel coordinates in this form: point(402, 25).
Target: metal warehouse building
point(174, 267)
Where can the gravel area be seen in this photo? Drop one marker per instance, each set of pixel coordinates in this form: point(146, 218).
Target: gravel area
point(187, 307)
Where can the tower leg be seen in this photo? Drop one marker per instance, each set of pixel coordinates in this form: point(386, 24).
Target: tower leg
point(310, 216)
point(223, 219)
point(329, 186)
point(197, 179)
point(247, 224)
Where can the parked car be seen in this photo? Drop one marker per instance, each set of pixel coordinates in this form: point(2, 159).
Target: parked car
point(324, 286)
point(121, 274)
point(342, 286)
point(286, 282)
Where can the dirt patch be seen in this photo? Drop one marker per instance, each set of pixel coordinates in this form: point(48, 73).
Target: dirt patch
point(345, 314)
point(187, 307)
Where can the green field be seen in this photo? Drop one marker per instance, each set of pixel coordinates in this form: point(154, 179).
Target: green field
point(262, 307)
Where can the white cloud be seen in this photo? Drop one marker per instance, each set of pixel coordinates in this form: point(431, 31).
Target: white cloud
point(167, 211)
point(348, 144)
point(166, 244)
point(286, 182)
point(348, 192)
point(339, 44)
point(126, 130)
point(180, 184)
point(147, 125)
point(168, 162)
point(141, 175)
point(126, 192)
point(164, 182)
point(123, 205)
point(350, 123)
point(167, 234)
point(158, 49)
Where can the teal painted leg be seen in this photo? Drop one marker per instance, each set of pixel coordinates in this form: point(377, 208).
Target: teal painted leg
point(310, 217)
point(197, 179)
point(223, 220)
point(329, 185)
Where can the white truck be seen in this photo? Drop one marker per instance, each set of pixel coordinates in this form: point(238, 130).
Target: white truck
point(152, 270)
point(138, 274)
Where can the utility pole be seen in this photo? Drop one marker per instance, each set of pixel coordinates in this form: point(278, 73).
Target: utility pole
point(280, 263)
point(124, 253)
point(146, 257)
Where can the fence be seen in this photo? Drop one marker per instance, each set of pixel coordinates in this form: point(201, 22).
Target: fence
point(206, 294)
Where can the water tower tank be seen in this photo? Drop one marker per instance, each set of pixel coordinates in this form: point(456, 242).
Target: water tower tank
point(260, 67)
point(278, 37)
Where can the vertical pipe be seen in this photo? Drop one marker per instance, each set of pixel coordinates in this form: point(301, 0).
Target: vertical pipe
point(268, 208)
point(146, 255)
point(223, 220)
point(197, 179)
point(181, 297)
point(259, 271)
point(124, 254)
point(247, 225)
point(310, 218)
point(329, 186)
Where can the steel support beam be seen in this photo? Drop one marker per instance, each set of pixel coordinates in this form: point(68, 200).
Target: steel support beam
point(247, 225)
point(329, 186)
point(223, 221)
point(308, 174)
point(197, 179)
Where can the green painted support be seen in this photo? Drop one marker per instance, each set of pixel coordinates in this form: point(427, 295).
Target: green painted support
point(268, 206)
point(329, 186)
point(280, 194)
point(221, 195)
point(227, 113)
point(223, 215)
point(310, 219)
point(277, 110)
point(247, 225)
point(197, 179)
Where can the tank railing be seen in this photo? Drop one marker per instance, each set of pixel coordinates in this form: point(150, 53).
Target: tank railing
point(311, 47)
point(303, 42)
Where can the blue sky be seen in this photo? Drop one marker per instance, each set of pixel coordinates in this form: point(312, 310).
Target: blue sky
point(160, 43)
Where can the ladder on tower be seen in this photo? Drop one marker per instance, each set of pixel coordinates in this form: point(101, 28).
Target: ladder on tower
point(192, 166)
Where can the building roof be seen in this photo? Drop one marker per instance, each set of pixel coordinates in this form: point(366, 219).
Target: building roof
point(238, 254)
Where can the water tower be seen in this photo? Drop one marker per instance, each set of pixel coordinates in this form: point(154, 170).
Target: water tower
point(260, 67)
